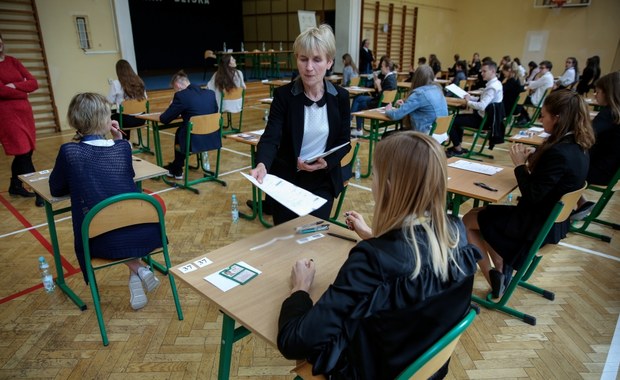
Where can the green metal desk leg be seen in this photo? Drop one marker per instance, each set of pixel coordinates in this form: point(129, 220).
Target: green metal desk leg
point(372, 139)
point(257, 199)
point(157, 143)
point(229, 336)
point(456, 204)
point(60, 276)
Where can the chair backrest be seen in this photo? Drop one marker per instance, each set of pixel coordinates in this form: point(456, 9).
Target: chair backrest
point(442, 125)
point(120, 211)
point(347, 162)
point(133, 106)
point(205, 124)
point(234, 94)
point(210, 54)
point(438, 354)
point(388, 96)
point(463, 83)
point(354, 81)
point(569, 201)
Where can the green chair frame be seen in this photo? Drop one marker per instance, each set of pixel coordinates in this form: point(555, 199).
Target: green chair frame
point(510, 118)
point(234, 94)
point(537, 109)
point(201, 125)
point(438, 354)
point(477, 133)
point(116, 212)
point(581, 227)
point(559, 213)
point(348, 159)
point(132, 106)
point(387, 96)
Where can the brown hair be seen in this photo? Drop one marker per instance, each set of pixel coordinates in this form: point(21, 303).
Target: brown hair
point(348, 61)
point(225, 75)
point(413, 163)
point(573, 117)
point(132, 84)
point(609, 85)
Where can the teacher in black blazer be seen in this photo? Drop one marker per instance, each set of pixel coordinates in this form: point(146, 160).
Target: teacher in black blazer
point(308, 117)
point(558, 167)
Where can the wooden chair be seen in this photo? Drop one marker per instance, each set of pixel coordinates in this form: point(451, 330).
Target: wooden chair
point(510, 117)
point(477, 133)
point(120, 211)
point(355, 81)
point(442, 126)
point(388, 96)
point(234, 94)
point(200, 126)
point(607, 192)
point(438, 354)
point(463, 83)
point(537, 109)
point(560, 213)
point(133, 107)
point(347, 163)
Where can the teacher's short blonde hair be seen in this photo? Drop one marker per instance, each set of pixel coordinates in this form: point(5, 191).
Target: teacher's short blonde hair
point(315, 39)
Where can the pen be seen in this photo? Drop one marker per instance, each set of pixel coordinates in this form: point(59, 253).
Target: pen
point(342, 237)
point(309, 225)
point(120, 130)
point(484, 186)
point(313, 229)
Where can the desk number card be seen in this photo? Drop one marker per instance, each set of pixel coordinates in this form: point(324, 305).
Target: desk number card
point(238, 273)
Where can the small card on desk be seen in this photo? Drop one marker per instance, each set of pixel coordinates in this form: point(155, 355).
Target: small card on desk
point(238, 273)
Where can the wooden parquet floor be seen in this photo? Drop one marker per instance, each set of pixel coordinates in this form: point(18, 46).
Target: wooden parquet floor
point(45, 336)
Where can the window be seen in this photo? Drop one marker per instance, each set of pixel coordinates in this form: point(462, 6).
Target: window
point(81, 23)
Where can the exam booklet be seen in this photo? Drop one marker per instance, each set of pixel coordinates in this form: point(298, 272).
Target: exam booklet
point(300, 201)
point(324, 154)
point(456, 90)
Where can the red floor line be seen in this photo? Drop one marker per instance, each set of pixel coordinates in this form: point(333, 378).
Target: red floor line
point(19, 294)
point(37, 235)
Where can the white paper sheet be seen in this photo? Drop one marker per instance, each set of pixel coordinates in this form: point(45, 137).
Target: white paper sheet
point(475, 167)
point(300, 201)
point(456, 90)
point(223, 283)
point(325, 154)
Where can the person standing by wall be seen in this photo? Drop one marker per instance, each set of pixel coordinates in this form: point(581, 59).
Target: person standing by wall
point(17, 131)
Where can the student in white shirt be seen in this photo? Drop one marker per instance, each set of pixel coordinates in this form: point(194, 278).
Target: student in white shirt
point(570, 75)
point(537, 89)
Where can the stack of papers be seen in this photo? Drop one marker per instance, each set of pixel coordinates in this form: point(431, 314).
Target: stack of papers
point(475, 167)
point(456, 90)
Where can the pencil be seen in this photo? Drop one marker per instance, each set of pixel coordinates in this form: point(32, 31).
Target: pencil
point(342, 237)
point(120, 130)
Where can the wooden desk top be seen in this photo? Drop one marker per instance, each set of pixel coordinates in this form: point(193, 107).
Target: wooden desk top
point(39, 181)
point(462, 182)
point(443, 81)
point(153, 116)
point(266, 100)
point(254, 52)
point(456, 102)
point(375, 114)
point(334, 78)
point(256, 305)
point(356, 90)
point(250, 138)
point(277, 82)
point(530, 138)
point(406, 85)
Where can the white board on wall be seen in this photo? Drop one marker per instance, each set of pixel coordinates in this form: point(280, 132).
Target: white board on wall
point(535, 46)
point(307, 19)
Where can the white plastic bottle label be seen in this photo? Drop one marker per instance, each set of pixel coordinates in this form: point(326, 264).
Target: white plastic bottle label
point(48, 282)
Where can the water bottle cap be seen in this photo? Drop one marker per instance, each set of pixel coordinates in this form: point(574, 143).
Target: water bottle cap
point(41, 259)
point(234, 196)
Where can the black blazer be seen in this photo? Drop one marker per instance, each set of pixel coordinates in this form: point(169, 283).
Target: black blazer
point(280, 144)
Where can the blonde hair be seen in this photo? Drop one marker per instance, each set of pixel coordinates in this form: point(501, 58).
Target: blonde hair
point(412, 163)
point(315, 39)
point(89, 113)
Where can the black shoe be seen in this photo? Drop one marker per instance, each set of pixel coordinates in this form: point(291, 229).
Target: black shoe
point(451, 152)
point(582, 211)
point(39, 201)
point(19, 191)
point(507, 272)
point(172, 172)
point(497, 283)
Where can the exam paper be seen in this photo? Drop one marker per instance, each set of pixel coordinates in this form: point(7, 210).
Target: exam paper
point(300, 201)
point(325, 154)
point(475, 167)
point(456, 90)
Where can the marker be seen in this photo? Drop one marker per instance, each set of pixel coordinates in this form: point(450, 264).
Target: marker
point(342, 237)
point(484, 186)
point(309, 225)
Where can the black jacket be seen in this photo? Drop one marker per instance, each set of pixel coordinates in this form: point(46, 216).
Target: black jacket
point(374, 320)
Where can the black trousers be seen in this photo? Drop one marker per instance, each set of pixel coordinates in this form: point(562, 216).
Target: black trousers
point(22, 164)
point(463, 120)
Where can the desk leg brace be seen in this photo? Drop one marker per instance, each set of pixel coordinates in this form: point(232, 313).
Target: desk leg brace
point(229, 336)
point(60, 279)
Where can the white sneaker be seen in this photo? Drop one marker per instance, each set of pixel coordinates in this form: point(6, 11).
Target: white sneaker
point(357, 133)
point(148, 278)
point(138, 299)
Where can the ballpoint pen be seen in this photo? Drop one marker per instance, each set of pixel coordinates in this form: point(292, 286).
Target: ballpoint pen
point(314, 229)
point(485, 186)
point(309, 225)
point(342, 237)
point(120, 130)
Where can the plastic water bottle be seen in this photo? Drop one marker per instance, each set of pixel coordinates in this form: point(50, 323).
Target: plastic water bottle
point(264, 46)
point(46, 277)
point(266, 117)
point(509, 199)
point(242, 48)
point(225, 47)
point(206, 166)
point(358, 169)
point(280, 45)
point(235, 209)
